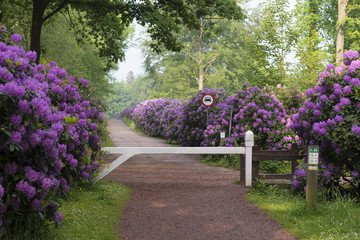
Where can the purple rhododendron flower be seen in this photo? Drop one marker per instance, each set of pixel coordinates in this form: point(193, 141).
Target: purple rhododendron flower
point(11, 168)
point(356, 129)
point(31, 174)
point(327, 174)
point(16, 119)
point(354, 173)
point(330, 67)
point(14, 90)
point(347, 78)
point(23, 106)
point(16, 38)
point(355, 81)
point(322, 131)
point(46, 184)
point(309, 92)
point(295, 183)
point(344, 101)
point(338, 151)
point(347, 90)
point(337, 91)
point(85, 175)
point(323, 98)
point(337, 108)
point(25, 188)
point(96, 164)
point(351, 54)
point(337, 86)
point(36, 205)
point(339, 118)
point(73, 162)
point(316, 113)
point(300, 172)
point(330, 122)
point(1, 191)
point(58, 217)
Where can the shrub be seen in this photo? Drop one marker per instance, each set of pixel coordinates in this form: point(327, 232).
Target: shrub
point(261, 112)
point(291, 99)
point(49, 138)
point(156, 116)
point(200, 125)
point(126, 113)
point(330, 119)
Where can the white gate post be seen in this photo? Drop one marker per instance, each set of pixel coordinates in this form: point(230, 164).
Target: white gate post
point(249, 143)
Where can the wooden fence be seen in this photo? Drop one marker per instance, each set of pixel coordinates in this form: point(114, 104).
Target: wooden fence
point(270, 155)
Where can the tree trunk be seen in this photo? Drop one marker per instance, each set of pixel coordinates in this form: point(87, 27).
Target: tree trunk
point(200, 62)
point(39, 7)
point(340, 30)
point(201, 78)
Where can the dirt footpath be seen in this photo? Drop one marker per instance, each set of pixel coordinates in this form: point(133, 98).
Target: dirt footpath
point(176, 197)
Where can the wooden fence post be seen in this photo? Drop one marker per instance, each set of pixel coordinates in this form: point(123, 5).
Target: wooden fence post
point(249, 143)
point(242, 169)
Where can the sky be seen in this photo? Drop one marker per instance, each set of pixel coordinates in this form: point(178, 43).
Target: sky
point(133, 57)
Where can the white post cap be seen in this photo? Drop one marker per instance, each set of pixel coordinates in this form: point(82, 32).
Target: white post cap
point(249, 139)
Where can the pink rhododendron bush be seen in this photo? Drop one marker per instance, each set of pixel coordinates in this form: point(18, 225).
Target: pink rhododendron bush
point(49, 137)
point(330, 118)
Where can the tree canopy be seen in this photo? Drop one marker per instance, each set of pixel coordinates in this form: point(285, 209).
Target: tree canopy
point(103, 22)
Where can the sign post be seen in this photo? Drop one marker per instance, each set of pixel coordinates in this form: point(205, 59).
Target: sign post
point(222, 138)
point(207, 100)
point(312, 176)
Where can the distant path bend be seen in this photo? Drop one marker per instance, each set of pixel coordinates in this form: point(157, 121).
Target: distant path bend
point(175, 197)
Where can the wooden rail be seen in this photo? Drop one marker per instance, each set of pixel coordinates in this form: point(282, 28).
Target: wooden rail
point(270, 155)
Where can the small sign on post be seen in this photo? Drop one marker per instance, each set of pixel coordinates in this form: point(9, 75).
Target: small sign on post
point(312, 176)
point(207, 100)
point(222, 138)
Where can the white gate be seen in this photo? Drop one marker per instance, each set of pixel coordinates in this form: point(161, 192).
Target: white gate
point(128, 152)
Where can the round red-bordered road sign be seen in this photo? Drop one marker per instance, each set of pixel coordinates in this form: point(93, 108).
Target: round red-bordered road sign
point(207, 100)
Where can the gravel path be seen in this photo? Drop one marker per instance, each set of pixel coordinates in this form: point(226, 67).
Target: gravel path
point(176, 197)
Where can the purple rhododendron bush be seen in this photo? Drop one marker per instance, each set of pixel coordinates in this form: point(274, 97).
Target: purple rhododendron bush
point(330, 119)
point(260, 111)
point(200, 125)
point(49, 137)
point(192, 124)
point(156, 117)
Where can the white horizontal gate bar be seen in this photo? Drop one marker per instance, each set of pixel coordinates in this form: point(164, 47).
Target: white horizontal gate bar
point(175, 150)
point(128, 152)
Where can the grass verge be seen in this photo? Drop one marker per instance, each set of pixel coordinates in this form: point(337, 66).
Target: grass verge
point(131, 124)
point(227, 161)
point(339, 219)
point(92, 212)
point(107, 142)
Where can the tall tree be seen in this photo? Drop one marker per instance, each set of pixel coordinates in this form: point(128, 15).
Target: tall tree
point(104, 21)
point(340, 30)
point(274, 32)
point(314, 41)
point(59, 44)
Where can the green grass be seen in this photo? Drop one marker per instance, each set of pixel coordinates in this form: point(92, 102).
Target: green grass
point(131, 124)
point(227, 161)
point(107, 142)
point(339, 219)
point(92, 212)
